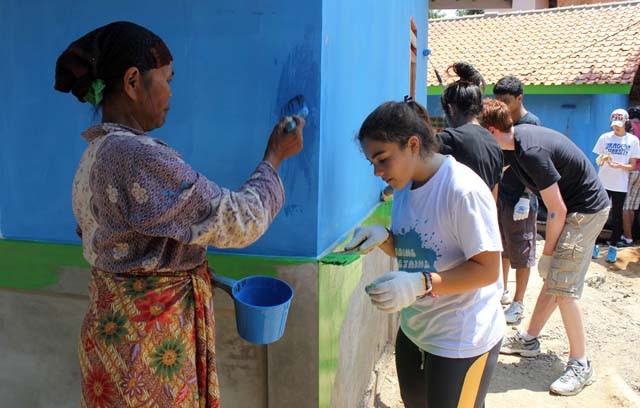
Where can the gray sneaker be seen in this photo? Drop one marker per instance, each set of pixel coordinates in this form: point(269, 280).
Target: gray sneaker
point(574, 379)
point(514, 313)
point(516, 344)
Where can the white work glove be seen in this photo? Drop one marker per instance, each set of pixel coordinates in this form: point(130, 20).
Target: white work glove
point(544, 265)
point(521, 210)
point(396, 290)
point(366, 239)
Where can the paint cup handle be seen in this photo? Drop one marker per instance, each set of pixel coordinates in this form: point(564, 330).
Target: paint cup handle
point(223, 283)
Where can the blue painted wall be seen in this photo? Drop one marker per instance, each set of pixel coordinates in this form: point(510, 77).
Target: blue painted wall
point(365, 61)
point(581, 117)
point(236, 62)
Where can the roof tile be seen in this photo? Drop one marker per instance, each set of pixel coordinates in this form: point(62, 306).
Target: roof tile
point(594, 44)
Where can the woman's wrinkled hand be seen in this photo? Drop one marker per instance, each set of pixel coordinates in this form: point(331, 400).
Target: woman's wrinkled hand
point(283, 145)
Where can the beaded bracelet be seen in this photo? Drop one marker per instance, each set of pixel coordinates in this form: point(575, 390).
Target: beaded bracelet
point(428, 283)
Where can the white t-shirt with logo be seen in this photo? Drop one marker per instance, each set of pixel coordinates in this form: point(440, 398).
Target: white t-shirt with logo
point(621, 149)
point(439, 226)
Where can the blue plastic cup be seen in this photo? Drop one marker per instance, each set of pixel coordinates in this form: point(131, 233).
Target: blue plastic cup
point(262, 305)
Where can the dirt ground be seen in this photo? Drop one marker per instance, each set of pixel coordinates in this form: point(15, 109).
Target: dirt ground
point(611, 308)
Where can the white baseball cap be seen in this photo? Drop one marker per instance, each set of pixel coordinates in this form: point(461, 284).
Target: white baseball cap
point(619, 117)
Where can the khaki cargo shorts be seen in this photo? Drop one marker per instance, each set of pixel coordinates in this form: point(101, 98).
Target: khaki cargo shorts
point(572, 255)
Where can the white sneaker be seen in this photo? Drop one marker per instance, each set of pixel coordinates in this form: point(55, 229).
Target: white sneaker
point(574, 379)
point(506, 299)
point(514, 313)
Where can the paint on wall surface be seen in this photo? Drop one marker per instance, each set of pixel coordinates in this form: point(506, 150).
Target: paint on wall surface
point(298, 77)
point(340, 258)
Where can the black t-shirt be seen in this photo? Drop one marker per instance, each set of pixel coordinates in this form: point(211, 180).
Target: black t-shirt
point(543, 156)
point(473, 146)
point(511, 189)
point(528, 119)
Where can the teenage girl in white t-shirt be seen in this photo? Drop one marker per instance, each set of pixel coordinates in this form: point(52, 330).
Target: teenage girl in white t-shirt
point(445, 237)
point(617, 153)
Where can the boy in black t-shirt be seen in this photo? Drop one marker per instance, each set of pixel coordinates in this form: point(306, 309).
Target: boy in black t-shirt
point(552, 166)
point(517, 208)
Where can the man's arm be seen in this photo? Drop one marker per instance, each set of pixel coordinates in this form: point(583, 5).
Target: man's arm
point(556, 215)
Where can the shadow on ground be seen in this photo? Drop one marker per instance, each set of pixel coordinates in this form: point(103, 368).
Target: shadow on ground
point(534, 374)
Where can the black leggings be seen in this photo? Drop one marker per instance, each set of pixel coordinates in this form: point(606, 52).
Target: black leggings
point(430, 381)
point(617, 201)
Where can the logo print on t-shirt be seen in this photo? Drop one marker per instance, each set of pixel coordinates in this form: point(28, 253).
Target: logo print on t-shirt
point(412, 255)
point(617, 148)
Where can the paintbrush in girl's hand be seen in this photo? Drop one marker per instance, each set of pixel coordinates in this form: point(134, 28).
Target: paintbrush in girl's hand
point(296, 106)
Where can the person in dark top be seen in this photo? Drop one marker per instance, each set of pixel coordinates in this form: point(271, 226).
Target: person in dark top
point(465, 139)
point(552, 166)
point(510, 90)
point(517, 208)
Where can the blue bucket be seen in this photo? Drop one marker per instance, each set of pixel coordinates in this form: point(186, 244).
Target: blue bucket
point(261, 303)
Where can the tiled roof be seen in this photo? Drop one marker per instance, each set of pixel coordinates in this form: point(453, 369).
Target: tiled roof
point(596, 44)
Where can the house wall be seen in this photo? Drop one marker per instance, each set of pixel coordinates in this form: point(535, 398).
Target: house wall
point(236, 64)
point(365, 61)
point(325, 359)
point(518, 5)
point(566, 3)
point(41, 321)
point(581, 117)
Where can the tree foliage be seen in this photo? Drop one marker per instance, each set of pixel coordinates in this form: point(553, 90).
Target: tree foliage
point(464, 12)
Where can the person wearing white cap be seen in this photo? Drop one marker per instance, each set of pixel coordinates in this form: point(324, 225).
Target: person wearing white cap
point(617, 152)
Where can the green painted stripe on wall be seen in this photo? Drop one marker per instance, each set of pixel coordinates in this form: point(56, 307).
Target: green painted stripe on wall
point(585, 89)
point(239, 266)
point(35, 265)
point(336, 284)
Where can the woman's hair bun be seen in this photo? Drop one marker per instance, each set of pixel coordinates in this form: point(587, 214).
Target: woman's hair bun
point(75, 71)
point(467, 73)
point(106, 53)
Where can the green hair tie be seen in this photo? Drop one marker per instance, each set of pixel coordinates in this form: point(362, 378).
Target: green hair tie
point(94, 95)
